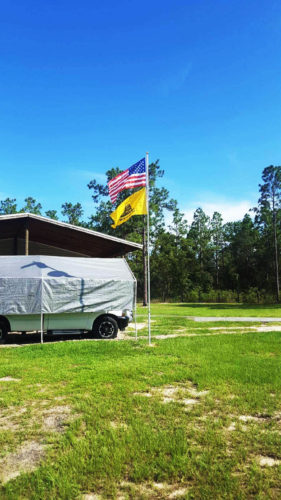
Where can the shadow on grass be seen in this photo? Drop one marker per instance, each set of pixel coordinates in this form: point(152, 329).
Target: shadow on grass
point(14, 339)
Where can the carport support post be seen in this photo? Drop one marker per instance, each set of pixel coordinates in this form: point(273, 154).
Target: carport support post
point(27, 237)
point(42, 327)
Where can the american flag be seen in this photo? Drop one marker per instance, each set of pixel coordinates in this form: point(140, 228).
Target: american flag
point(134, 176)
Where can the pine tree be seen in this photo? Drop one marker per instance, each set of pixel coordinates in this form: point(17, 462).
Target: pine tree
point(268, 216)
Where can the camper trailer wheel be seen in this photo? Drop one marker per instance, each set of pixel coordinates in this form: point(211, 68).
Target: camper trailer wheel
point(3, 332)
point(106, 327)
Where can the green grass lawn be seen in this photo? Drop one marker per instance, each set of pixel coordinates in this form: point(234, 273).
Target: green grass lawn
point(190, 417)
point(189, 309)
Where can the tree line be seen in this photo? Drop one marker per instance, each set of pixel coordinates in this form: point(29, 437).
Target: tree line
point(205, 260)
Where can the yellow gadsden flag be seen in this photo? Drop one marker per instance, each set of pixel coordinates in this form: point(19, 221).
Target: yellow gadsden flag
point(133, 205)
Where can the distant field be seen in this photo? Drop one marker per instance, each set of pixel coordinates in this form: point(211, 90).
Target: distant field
point(190, 417)
point(188, 309)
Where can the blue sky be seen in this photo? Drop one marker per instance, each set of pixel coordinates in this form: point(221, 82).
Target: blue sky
point(89, 85)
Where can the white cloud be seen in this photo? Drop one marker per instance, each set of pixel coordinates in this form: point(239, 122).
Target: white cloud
point(230, 210)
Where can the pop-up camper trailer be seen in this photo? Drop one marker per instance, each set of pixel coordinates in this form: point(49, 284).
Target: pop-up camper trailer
point(65, 294)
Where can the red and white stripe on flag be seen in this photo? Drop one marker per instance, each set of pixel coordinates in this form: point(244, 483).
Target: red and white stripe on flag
point(132, 177)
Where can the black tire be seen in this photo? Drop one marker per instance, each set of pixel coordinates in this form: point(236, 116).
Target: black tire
point(3, 332)
point(105, 328)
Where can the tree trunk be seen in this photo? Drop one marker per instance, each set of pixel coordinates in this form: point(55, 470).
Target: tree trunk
point(144, 260)
point(276, 257)
point(217, 269)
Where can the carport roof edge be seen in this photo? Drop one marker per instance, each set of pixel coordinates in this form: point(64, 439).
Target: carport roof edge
point(90, 232)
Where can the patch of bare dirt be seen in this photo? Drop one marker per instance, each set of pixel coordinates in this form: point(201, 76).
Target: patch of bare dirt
point(9, 379)
point(268, 328)
point(224, 331)
point(256, 328)
point(179, 493)
point(9, 417)
point(241, 422)
point(233, 427)
point(153, 490)
point(140, 326)
point(233, 329)
point(25, 459)
point(28, 457)
point(54, 419)
point(8, 424)
point(194, 392)
point(13, 411)
point(172, 335)
point(268, 461)
point(251, 418)
point(176, 393)
point(218, 328)
point(189, 402)
point(118, 425)
point(248, 418)
point(145, 394)
point(9, 345)
point(91, 496)
point(168, 391)
point(40, 402)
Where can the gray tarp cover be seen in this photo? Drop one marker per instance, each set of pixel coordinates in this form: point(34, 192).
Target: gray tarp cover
point(34, 284)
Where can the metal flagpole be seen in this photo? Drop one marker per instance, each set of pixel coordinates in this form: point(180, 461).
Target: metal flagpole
point(42, 315)
point(147, 247)
point(136, 330)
